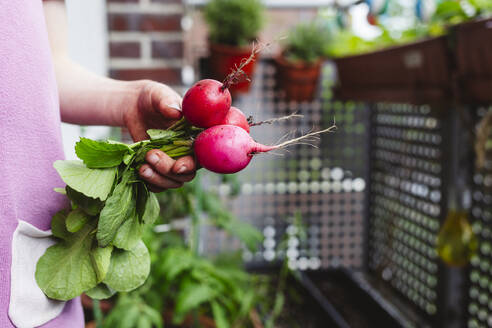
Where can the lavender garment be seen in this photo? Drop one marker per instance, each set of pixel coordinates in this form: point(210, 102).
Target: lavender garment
point(30, 139)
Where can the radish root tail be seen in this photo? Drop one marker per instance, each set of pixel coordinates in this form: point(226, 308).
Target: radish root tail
point(274, 120)
point(307, 136)
point(237, 74)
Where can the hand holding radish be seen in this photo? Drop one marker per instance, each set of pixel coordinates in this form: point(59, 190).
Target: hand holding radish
point(161, 172)
point(158, 106)
point(154, 106)
point(100, 234)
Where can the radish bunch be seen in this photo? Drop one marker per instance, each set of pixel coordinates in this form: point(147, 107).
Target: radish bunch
point(225, 145)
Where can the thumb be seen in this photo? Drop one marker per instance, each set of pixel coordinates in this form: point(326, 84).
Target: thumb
point(170, 111)
point(168, 105)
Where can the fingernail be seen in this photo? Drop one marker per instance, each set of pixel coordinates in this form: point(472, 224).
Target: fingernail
point(153, 159)
point(175, 106)
point(147, 172)
point(182, 169)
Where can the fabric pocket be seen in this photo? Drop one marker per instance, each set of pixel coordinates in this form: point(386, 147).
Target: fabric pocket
point(28, 306)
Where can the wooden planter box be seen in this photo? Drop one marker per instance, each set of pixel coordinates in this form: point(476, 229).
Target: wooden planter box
point(474, 60)
point(419, 72)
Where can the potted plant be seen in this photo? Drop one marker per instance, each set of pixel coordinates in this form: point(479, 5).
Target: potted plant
point(299, 64)
point(233, 26)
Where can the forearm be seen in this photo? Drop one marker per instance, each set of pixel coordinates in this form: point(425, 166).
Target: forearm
point(89, 99)
point(85, 98)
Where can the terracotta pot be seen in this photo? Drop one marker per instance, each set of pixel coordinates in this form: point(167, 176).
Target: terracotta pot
point(224, 58)
point(204, 321)
point(473, 58)
point(299, 80)
point(418, 72)
point(90, 324)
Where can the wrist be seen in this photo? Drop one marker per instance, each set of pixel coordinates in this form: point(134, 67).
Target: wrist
point(126, 98)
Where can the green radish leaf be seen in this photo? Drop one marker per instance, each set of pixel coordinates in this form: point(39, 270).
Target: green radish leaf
point(155, 134)
point(65, 270)
point(100, 154)
point(100, 292)
point(148, 208)
point(142, 196)
point(129, 233)
point(95, 183)
point(91, 206)
point(58, 225)
point(219, 315)
point(76, 220)
point(101, 259)
point(118, 208)
point(191, 295)
point(116, 142)
point(128, 158)
point(152, 209)
point(128, 269)
point(60, 191)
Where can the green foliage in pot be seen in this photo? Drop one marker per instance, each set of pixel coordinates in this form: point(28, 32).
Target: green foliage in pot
point(307, 42)
point(234, 22)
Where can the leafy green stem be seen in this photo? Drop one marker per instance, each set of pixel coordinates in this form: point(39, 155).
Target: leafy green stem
point(179, 125)
point(188, 143)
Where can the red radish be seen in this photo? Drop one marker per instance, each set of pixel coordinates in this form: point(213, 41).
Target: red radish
point(206, 103)
point(229, 148)
point(236, 117)
point(226, 148)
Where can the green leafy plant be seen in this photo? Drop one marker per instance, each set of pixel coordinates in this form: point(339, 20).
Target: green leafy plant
point(307, 42)
point(99, 249)
point(234, 22)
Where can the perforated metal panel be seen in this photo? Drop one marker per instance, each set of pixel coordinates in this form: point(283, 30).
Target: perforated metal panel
point(406, 193)
point(324, 185)
point(480, 292)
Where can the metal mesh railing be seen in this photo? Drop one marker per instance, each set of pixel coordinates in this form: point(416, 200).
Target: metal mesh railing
point(480, 277)
point(406, 193)
point(323, 185)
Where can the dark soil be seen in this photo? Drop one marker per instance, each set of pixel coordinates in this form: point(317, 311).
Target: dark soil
point(302, 310)
point(357, 308)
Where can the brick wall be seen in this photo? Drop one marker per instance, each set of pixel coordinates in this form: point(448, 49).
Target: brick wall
point(145, 40)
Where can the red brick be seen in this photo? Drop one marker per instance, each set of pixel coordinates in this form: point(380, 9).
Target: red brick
point(166, 75)
point(124, 49)
point(144, 22)
point(167, 49)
